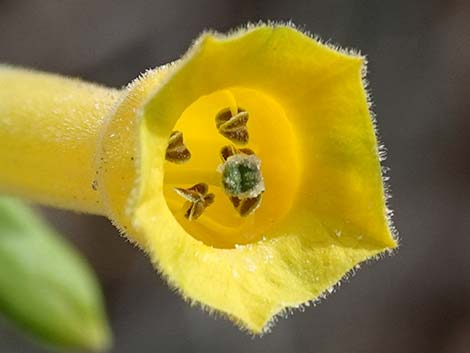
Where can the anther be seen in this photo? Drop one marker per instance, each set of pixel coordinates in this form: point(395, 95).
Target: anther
point(233, 127)
point(177, 152)
point(197, 198)
point(247, 206)
point(229, 150)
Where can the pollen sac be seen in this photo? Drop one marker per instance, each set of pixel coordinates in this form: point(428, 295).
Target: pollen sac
point(229, 150)
point(177, 152)
point(198, 199)
point(247, 206)
point(241, 176)
point(233, 127)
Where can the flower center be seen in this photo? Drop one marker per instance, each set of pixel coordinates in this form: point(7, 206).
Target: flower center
point(241, 176)
point(231, 171)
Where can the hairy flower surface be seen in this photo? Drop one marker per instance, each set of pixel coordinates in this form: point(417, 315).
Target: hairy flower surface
point(248, 170)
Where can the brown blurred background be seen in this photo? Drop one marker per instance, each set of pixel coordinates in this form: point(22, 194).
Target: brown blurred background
point(419, 63)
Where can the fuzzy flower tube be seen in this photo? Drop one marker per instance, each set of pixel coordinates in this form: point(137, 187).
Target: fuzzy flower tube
point(248, 170)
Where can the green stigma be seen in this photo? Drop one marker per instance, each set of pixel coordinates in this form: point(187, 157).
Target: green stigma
point(241, 176)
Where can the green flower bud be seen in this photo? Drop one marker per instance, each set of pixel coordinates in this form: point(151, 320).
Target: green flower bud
point(47, 288)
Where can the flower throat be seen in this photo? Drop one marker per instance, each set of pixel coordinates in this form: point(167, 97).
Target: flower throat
point(226, 178)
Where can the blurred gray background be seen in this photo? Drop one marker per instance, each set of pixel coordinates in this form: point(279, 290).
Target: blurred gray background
point(419, 62)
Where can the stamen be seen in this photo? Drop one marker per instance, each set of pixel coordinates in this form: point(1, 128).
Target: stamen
point(227, 151)
point(246, 151)
point(247, 206)
point(197, 209)
point(197, 200)
point(177, 152)
point(233, 127)
point(230, 150)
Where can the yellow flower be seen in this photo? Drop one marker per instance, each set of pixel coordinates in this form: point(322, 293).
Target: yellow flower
point(248, 170)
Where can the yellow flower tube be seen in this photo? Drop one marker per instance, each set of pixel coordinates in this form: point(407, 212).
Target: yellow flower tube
point(248, 170)
point(48, 136)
